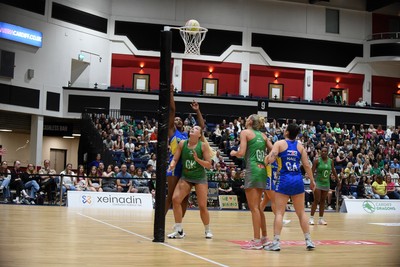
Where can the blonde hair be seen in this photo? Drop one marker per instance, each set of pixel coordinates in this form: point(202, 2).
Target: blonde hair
point(258, 121)
point(210, 149)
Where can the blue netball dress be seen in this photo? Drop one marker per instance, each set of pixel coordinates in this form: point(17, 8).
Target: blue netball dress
point(173, 144)
point(290, 180)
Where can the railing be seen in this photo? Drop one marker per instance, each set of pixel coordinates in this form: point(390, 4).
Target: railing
point(383, 36)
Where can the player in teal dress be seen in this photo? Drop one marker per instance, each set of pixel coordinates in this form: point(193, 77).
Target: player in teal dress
point(175, 135)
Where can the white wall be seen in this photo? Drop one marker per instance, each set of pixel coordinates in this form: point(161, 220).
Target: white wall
point(63, 41)
point(18, 149)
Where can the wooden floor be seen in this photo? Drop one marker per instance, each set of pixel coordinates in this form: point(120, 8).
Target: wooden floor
point(60, 236)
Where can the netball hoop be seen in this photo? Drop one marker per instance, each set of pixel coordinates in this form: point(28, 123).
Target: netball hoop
point(192, 37)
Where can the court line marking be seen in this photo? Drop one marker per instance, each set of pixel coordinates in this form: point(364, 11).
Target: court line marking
point(149, 239)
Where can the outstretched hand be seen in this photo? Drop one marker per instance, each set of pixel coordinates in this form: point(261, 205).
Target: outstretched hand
point(195, 106)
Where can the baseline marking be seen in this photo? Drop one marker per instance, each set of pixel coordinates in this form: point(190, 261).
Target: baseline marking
point(149, 239)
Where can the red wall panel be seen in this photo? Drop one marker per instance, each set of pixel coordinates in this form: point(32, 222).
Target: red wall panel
point(261, 76)
point(383, 89)
point(324, 81)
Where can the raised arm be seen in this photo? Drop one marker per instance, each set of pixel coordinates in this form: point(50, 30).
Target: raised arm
point(196, 107)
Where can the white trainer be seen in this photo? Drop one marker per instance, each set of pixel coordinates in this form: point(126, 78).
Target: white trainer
point(176, 235)
point(311, 221)
point(286, 222)
point(208, 234)
point(322, 222)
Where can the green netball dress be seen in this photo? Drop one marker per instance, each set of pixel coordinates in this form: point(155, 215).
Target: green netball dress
point(323, 174)
point(256, 174)
point(192, 172)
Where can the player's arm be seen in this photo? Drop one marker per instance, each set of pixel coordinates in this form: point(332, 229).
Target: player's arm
point(206, 161)
point(315, 165)
point(242, 146)
point(177, 155)
point(268, 142)
point(196, 107)
point(271, 157)
point(307, 168)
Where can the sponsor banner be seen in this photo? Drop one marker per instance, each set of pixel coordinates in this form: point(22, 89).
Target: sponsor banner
point(228, 202)
point(371, 206)
point(324, 243)
point(88, 199)
point(20, 34)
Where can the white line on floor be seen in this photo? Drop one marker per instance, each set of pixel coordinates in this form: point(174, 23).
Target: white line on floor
point(149, 239)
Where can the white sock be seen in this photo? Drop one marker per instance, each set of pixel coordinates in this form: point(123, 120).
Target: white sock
point(277, 238)
point(207, 227)
point(307, 236)
point(178, 227)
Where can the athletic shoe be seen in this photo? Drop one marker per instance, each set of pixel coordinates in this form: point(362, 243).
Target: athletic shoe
point(309, 244)
point(208, 234)
point(322, 222)
point(1, 188)
point(274, 246)
point(285, 222)
point(177, 235)
point(253, 245)
point(311, 221)
point(330, 208)
point(265, 241)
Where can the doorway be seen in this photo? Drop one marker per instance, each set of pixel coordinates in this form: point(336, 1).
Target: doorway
point(58, 159)
point(343, 92)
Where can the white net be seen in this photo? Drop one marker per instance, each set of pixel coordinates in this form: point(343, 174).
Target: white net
point(192, 37)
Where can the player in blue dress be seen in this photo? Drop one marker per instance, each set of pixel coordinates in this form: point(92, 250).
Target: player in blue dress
point(289, 153)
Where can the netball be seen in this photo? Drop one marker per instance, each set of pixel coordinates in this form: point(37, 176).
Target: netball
point(192, 25)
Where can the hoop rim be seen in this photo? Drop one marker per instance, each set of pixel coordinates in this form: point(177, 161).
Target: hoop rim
point(189, 29)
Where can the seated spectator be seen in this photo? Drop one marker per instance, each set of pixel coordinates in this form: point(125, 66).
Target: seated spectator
point(130, 146)
point(394, 175)
point(30, 178)
point(47, 180)
point(225, 187)
point(68, 182)
point(369, 193)
point(153, 161)
point(5, 178)
point(379, 188)
point(391, 192)
point(109, 184)
point(360, 102)
point(108, 143)
point(148, 171)
point(141, 182)
point(119, 144)
point(96, 161)
point(94, 181)
point(124, 180)
point(81, 181)
point(395, 165)
point(17, 183)
point(345, 189)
